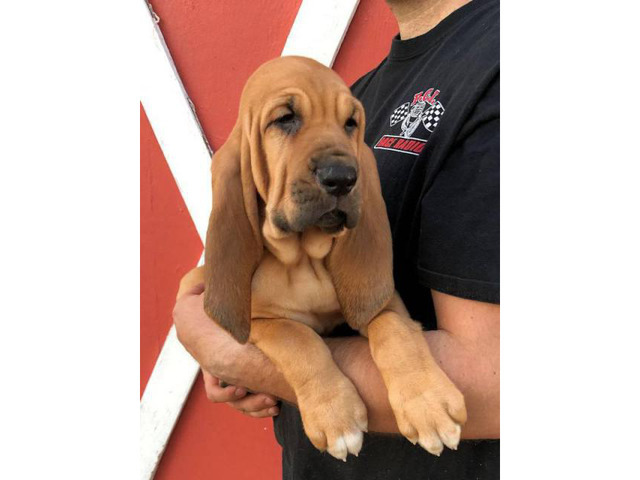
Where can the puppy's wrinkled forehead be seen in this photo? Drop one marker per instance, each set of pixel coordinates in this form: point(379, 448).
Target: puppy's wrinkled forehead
point(292, 79)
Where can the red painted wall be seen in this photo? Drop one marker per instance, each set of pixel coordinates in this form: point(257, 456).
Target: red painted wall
point(216, 46)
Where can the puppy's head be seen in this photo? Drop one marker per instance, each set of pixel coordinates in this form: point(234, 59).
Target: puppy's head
point(307, 130)
point(296, 159)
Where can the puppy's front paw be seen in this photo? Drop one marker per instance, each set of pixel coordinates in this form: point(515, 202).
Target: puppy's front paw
point(334, 417)
point(429, 409)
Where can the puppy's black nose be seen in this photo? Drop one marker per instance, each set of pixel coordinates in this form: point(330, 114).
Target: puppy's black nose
point(337, 179)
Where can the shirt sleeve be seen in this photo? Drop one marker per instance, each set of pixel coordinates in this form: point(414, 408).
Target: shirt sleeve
point(459, 250)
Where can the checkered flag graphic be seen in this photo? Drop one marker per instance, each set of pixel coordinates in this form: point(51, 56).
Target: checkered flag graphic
point(431, 117)
point(399, 113)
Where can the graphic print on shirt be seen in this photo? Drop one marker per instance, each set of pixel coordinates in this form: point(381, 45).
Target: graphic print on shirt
point(416, 120)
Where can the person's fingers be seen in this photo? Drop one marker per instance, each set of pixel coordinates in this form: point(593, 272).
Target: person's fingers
point(218, 394)
point(259, 405)
point(209, 380)
point(267, 412)
point(227, 394)
point(254, 403)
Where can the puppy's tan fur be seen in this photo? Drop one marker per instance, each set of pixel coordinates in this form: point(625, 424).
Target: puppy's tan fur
point(280, 288)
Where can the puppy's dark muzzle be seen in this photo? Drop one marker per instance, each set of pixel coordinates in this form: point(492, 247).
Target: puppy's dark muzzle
point(336, 179)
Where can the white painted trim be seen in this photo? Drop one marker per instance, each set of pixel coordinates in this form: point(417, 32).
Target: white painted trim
point(319, 29)
point(174, 123)
point(162, 402)
point(189, 157)
point(317, 32)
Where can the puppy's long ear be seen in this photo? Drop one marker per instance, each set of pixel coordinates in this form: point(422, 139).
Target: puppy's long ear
point(233, 246)
point(360, 262)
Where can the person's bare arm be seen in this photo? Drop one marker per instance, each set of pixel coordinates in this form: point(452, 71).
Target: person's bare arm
point(466, 346)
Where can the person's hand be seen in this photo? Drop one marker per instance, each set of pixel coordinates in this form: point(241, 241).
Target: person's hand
point(213, 348)
point(257, 405)
point(220, 357)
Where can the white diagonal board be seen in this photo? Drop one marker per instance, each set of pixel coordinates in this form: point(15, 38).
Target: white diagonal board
point(319, 28)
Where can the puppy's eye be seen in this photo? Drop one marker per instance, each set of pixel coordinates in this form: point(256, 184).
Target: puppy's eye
point(285, 119)
point(350, 125)
point(289, 123)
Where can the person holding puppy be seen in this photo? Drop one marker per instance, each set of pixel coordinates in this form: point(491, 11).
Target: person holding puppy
point(433, 123)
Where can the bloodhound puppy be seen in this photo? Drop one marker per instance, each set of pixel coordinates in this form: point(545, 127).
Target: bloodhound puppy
point(299, 242)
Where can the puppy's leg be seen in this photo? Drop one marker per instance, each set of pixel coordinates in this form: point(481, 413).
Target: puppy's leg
point(333, 413)
point(190, 280)
point(428, 407)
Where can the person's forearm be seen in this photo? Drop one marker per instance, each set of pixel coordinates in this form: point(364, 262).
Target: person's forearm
point(476, 377)
point(259, 374)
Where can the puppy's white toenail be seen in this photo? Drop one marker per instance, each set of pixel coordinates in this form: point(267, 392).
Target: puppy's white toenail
point(339, 449)
point(353, 442)
point(432, 444)
point(452, 437)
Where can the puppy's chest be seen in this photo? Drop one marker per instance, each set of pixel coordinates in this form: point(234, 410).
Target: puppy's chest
point(292, 282)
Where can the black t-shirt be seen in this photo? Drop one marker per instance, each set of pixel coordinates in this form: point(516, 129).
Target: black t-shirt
point(432, 111)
